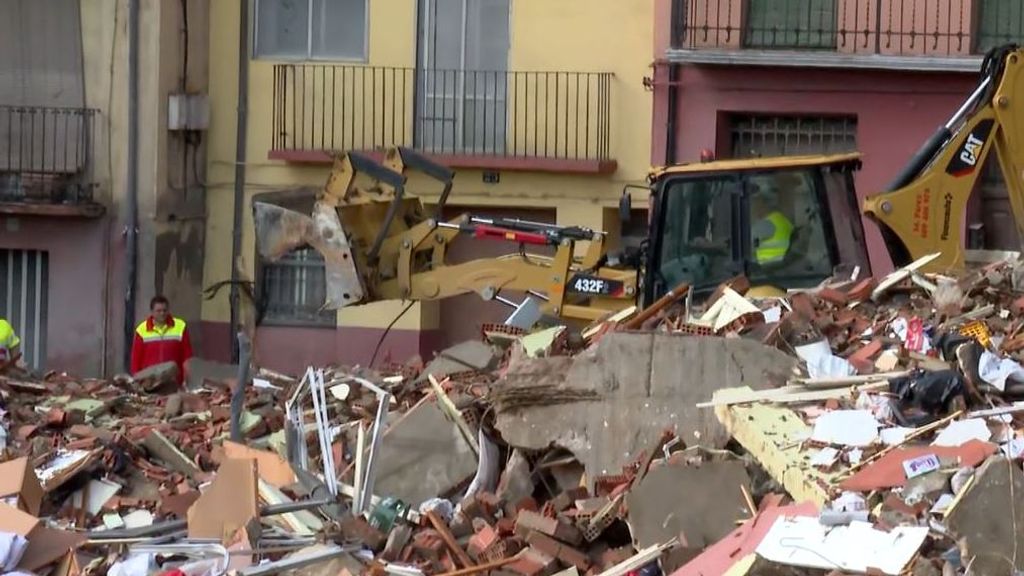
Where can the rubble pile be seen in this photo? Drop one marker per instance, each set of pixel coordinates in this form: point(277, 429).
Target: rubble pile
point(866, 425)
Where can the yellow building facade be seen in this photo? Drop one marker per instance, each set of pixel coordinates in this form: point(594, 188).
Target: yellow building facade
point(539, 106)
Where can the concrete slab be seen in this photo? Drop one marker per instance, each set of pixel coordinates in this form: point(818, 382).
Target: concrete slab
point(468, 356)
point(985, 516)
point(200, 369)
point(422, 455)
point(632, 387)
point(701, 502)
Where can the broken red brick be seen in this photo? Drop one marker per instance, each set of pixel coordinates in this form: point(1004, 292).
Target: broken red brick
point(548, 509)
point(56, 417)
point(428, 544)
point(501, 549)
point(559, 550)
point(81, 444)
point(505, 526)
point(219, 413)
point(832, 296)
point(567, 498)
point(178, 504)
point(802, 305)
point(527, 503)
point(863, 358)
point(528, 521)
point(605, 485)
point(488, 501)
point(533, 563)
point(482, 540)
point(861, 290)
point(357, 528)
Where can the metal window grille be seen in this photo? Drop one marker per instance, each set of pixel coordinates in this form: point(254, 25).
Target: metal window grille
point(755, 135)
point(294, 291)
point(23, 290)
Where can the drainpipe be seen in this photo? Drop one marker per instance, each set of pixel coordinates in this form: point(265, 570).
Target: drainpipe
point(240, 143)
point(676, 30)
point(673, 105)
point(132, 201)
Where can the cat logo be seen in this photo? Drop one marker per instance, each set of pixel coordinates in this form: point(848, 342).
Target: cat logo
point(966, 159)
point(972, 148)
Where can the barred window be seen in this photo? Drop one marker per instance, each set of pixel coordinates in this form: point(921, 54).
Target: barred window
point(293, 290)
point(756, 135)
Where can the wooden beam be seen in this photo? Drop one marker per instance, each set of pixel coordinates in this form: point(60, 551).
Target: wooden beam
point(84, 210)
point(449, 540)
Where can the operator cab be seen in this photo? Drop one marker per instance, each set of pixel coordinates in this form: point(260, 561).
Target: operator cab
point(785, 222)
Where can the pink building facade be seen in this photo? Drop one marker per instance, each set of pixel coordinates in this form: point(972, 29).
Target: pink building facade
point(745, 78)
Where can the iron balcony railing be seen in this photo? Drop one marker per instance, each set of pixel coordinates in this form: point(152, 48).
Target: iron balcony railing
point(46, 154)
point(886, 27)
point(563, 115)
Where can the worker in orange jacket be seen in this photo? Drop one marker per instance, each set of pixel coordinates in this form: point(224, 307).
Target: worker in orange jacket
point(161, 338)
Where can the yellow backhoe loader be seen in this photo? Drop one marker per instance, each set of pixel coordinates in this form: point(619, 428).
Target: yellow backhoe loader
point(785, 222)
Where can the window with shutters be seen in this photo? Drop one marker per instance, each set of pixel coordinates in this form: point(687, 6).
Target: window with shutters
point(311, 29)
point(463, 60)
point(791, 24)
point(757, 135)
point(999, 22)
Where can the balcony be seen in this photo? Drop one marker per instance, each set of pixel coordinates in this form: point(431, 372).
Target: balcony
point(491, 120)
point(900, 34)
point(45, 161)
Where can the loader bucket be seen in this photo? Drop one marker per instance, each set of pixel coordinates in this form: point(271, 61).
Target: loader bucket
point(280, 230)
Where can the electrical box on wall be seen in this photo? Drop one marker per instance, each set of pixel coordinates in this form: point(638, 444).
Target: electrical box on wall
point(188, 112)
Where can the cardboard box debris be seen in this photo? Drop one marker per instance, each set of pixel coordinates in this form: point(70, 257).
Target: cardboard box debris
point(229, 504)
point(18, 482)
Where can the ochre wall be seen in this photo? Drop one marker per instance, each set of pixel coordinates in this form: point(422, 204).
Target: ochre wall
point(570, 35)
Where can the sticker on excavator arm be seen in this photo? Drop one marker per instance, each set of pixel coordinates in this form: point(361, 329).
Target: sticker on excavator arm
point(966, 160)
point(594, 286)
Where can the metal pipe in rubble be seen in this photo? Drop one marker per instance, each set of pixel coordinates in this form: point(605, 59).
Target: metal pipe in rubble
point(241, 137)
point(177, 524)
point(131, 230)
point(238, 394)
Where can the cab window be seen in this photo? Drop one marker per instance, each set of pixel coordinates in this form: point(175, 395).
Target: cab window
point(788, 246)
point(696, 244)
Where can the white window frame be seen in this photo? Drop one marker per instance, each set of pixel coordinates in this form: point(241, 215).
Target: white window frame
point(309, 57)
point(459, 108)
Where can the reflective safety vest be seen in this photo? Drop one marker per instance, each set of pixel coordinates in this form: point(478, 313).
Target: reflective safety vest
point(158, 344)
point(8, 340)
point(774, 249)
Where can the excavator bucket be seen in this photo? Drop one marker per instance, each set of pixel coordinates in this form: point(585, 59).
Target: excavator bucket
point(280, 230)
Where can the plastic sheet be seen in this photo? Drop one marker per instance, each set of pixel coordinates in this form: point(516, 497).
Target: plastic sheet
point(931, 392)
